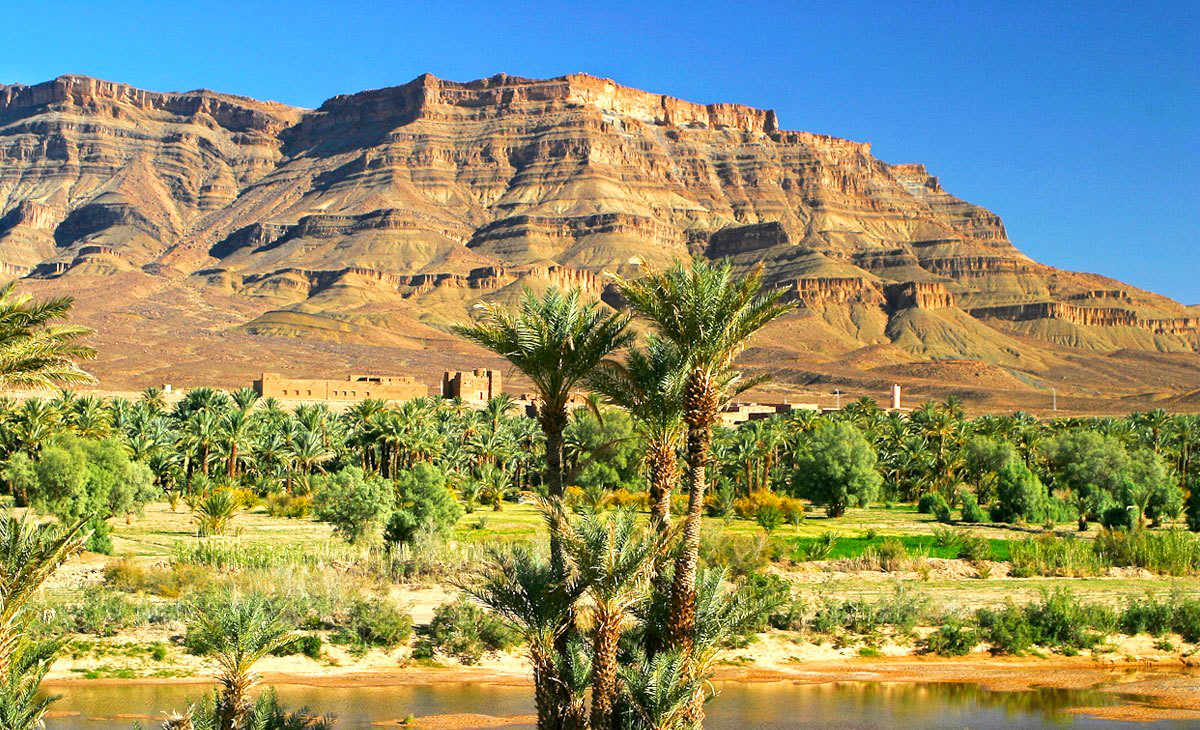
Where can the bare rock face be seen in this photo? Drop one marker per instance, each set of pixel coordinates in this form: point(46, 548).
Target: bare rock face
point(410, 203)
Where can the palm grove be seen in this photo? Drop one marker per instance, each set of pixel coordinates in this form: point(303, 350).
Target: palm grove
point(620, 617)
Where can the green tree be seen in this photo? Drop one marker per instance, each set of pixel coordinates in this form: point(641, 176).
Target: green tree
point(710, 316)
point(1091, 466)
point(649, 385)
point(837, 468)
point(75, 478)
point(423, 504)
point(238, 631)
point(356, 504)
point(1020, 495)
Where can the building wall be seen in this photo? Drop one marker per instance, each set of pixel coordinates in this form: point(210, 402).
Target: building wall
point(477, 386)
point(355, 387)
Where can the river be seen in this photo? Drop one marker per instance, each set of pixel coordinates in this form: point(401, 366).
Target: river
point(741, 706)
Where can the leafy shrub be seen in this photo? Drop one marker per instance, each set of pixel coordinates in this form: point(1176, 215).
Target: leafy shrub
point(1020, 495)
point(1117, 517)
point(307, 644)
point(423, 504)
point(376, 623)
point(1147, 616)
point(1059, 621)
point(464, 631)
point(971, 511)
point(950, 639)
point(900, 612)
point(974, 548)
point(1006, 629)
point(927, 501)
point(772, 590)
point(356, 504)
point(780, 509)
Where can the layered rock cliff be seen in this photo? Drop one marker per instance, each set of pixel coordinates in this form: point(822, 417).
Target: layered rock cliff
point(416, 201)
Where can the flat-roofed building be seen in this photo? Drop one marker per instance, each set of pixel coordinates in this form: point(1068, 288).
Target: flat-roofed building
point(352, 388)
point(477, 386)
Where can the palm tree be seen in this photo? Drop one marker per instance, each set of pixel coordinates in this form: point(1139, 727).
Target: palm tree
point(649, 386)
point(710, 317)
point(35, 351)
point(530, 593)
point(614, 560)
point(556, 340)
point(240, 631)
point(29, 554)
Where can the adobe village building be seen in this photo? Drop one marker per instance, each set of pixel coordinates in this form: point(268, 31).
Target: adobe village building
point(353, 387)
point(475, 387)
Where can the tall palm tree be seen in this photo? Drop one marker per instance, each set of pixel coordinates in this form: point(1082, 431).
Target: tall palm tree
point(649, 385)
point(240, 631)
point(614, 560)
point(35, 350)
point(710, 316)
point(530, 593)
point(556, 340)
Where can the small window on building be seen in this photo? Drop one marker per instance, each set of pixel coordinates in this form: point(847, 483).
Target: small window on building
point(310, 392)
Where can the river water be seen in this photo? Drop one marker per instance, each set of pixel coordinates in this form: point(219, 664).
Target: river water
point(742, 706)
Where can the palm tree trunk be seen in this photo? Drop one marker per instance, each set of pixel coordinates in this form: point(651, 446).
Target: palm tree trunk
point(554, 422)
point(700, 412)
point(604, 670)
point(661, 470)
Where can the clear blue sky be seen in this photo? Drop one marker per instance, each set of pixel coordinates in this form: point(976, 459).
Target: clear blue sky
point(1075, 121)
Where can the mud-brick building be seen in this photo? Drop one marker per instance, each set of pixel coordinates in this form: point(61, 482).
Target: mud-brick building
point(477, 386)
point(352, 388)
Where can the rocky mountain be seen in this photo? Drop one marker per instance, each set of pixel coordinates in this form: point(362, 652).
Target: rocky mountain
point(205, 233)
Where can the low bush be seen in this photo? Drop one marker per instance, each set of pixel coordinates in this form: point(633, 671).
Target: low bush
point(950, 639)
point(464, 631)
point(899, 612)
point(292, 506)
point(376, 623)
point(762, 503)
point(930, 502)
point(307, 644)
point(1059, 621)
point(971, 510)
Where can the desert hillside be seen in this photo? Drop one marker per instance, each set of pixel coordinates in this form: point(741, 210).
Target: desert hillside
point(208, 236)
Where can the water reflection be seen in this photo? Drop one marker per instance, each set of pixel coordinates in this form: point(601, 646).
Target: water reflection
point(741, 706)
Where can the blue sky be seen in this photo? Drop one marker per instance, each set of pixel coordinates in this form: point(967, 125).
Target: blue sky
point(1076, 122)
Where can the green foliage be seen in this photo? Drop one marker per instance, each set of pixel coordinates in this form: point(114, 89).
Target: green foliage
point(424, 504)
point(1059, 621)
point(1020, 495)
point(74, 478)
point(356, 504)
point(1169, 552)
point(971, 511)
point(376, 623)
point(214, 512)
point(952, 638)
point(464, 631)
point(837, 468)
point(1047, 555)
point(899, 612)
